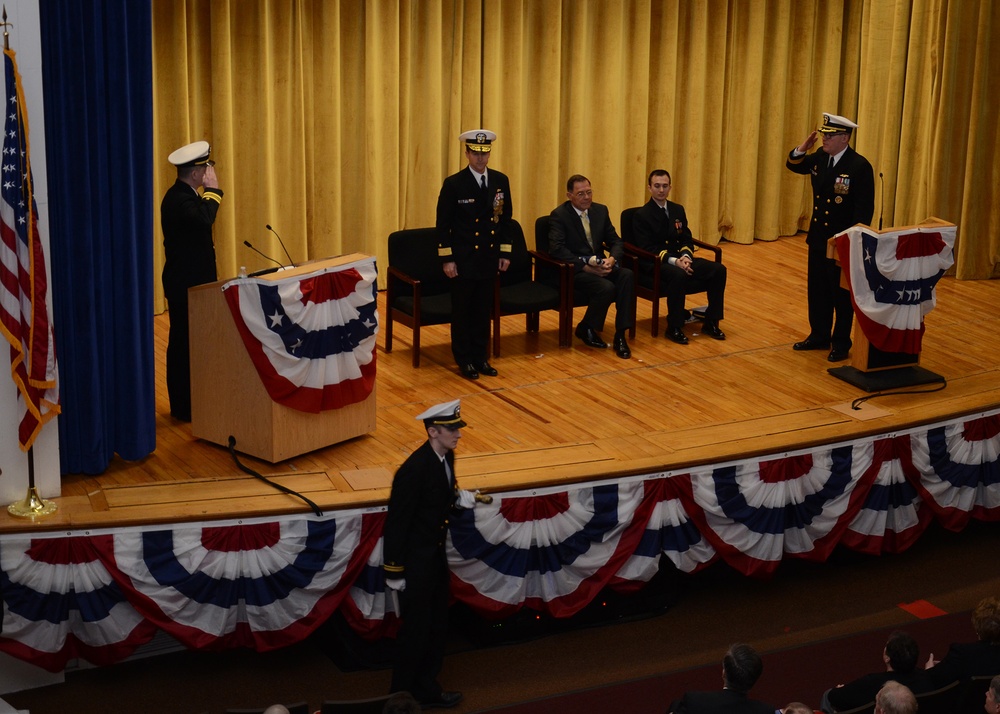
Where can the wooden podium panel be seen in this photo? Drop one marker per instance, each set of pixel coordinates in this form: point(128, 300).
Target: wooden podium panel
point(228, 397)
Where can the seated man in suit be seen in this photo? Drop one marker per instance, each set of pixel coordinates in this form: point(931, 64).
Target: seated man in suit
point(741, 668)
point(895, 698)
point(661, 227)
point(581, 233)
point(972, 659)
point(900, 656)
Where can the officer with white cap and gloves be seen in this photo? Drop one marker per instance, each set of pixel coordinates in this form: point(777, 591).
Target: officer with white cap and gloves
point(424, 495)
point(186, 217)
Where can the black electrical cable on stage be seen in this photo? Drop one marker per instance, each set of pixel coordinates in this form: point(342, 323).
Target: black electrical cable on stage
point(856, 404)
point(283, 489)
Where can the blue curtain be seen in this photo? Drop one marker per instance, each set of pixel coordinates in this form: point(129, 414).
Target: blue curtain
point(97, 70)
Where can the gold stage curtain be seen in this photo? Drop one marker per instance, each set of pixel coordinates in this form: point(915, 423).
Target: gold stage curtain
point(336, 121)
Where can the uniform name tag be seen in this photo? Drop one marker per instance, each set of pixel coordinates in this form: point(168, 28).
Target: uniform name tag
point(466, 200)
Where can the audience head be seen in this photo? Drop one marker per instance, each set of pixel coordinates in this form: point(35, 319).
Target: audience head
point(986, 620)
point(276, 709)
point(797, 708)
point(992, 705)
point(401, 703)
point(741, 668)
point(901, 652)
point(894, 698)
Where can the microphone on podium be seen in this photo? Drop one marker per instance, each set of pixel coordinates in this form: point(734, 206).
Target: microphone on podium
point(282, 243)
point(483, 497)
point(267, 270)
point(881, 200)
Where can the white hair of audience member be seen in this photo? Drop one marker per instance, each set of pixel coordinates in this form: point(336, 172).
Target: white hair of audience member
point(276, 709)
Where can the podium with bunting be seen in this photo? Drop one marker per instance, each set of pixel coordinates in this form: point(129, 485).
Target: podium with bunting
point(891, 275)
point(285, 362)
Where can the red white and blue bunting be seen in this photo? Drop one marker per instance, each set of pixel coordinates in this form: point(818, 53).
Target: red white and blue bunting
point(310, 337)
point(269, 583)
point(891, 277)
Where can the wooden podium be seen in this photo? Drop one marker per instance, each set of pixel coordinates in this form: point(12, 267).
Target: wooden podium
point(228, 397)
point(873, 369)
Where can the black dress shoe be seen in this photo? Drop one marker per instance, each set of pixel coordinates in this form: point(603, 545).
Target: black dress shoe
point(445, 700)
point(837, 355)
point(590, 338)
point(810, 343)
point(676, 334)
point(621, 346)
point(487, 369)
point(469, 371)
point(712, 330)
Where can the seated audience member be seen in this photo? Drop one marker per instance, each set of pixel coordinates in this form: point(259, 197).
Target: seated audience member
point(401, 703)
point(895, 698)
point(900, 656)
point(797, 708)
point(972, 659)
point(741, 668)
point(661, 227)
point(992, 703)
point(276, 709)
point(581, 233)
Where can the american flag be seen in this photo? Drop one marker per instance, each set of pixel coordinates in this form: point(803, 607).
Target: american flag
point(24, 314)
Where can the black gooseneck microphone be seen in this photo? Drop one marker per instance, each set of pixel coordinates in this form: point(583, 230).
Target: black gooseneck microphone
point(248, 245)
point(290, 261)
point(881, 200)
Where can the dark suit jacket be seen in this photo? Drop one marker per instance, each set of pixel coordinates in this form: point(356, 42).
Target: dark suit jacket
point(724, 701)
point(842, 196)
point(467, 232)
point(964, 660)
point(568, 241)
point(420, 504)
point(655, 233)
point(189, 251)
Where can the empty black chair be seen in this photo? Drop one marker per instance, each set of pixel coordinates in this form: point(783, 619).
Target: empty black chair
point(521, 291)
point(418, 292)
point(649, 283)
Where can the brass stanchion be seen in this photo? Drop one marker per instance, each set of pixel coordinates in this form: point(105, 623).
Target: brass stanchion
point(33, 505)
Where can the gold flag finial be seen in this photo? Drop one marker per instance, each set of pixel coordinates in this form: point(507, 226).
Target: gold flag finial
point(5, 25)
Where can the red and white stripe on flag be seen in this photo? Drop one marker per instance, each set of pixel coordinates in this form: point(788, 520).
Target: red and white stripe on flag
point(24, 314)
point(892, 277)
point(311, 338)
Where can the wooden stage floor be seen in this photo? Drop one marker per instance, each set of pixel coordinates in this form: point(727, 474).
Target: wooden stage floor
point(558, 416)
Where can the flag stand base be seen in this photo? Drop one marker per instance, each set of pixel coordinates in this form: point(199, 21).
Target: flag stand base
point(32, 506)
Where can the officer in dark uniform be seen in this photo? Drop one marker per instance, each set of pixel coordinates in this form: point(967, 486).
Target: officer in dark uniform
point(424, 495)
point(186, 218)
point(473, 219)
point(843, 185)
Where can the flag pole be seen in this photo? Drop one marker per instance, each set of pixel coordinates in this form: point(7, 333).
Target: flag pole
point(33, 505)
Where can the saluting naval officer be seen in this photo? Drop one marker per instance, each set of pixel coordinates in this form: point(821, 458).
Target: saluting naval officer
point(843, 187)
point(186, 218)
point(424, 495)
point(473, 221)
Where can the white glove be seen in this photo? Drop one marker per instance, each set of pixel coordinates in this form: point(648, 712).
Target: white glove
point(466, 499)
point(398, 584)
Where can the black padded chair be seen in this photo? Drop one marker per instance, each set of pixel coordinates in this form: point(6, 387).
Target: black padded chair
point(418, 292)
point(941, 701)
point(973, 694)
point(561, 275)
point(520, 291)
point(649, 281)
point(375, 705)
point(868, 708)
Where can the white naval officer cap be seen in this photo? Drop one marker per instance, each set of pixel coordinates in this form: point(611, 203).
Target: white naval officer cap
point(480, 140)
point(833, 124)
point(446, 415)
point(194, 154)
